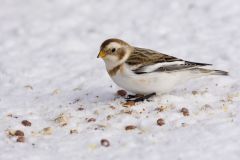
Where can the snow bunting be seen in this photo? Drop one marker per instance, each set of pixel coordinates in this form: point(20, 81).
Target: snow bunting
point(147, 72)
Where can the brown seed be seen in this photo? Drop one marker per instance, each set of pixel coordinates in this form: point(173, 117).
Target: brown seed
point(160, 122)
point(26, 123)
point(80, 109)
point(122, 93)
point(185, 111)
point(129, 104)
point(91, 120)
point(20, 139)
point(19, 133)
point(194, 92)
point(128, 112)
point(109, 117)
point(105, 143)
point(73, 131)
point(130, 127)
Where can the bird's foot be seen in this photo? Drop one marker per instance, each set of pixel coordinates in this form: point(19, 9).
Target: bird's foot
point(139, 98)
point(130, 96)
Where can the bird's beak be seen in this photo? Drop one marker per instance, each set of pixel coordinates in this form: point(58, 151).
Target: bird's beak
point(101, 54)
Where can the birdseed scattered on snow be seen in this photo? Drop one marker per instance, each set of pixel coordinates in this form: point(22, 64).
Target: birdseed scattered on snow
point(26, 123)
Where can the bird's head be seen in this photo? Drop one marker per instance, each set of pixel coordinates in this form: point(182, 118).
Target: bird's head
point(114, 52)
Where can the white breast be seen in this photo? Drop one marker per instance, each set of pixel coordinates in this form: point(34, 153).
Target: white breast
point(158, 82)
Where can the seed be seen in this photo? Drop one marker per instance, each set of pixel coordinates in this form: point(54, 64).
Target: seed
point(122, 93)
point(160, 122)
point(194, 92)
point(73, 131)
point(19, 133)
point(26, 123)
point(91, 120)
point(130, 127)
point(105, 143)
point(80, 109)
point(20, 139)
point(109, 117)
point(185, 111)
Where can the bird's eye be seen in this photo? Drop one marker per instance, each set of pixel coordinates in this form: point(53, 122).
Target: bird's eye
point(114, 49)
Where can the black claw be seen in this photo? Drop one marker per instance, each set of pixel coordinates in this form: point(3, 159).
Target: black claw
point(149, 95)
point(130, 96)
point(139, 99)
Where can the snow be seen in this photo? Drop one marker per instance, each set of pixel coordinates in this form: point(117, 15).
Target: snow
point(48, 68)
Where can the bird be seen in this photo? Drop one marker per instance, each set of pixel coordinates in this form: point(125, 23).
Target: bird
point(147, 72)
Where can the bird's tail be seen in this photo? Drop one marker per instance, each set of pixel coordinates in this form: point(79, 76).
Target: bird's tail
point(219, 72)
point(211, 72)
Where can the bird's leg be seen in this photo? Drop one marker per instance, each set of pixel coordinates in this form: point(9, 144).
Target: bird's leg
point(130, 96)
point(141, 98)
point(146, 97)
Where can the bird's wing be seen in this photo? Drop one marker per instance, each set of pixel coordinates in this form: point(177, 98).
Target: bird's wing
point(146, 61)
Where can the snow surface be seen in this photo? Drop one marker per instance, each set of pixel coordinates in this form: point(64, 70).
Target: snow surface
point(48, 67)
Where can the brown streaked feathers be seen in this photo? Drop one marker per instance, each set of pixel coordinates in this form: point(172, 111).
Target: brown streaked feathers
point(148, 57)
point(106, 42)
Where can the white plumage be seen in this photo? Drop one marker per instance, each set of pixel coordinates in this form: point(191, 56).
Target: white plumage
point(155, 82)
